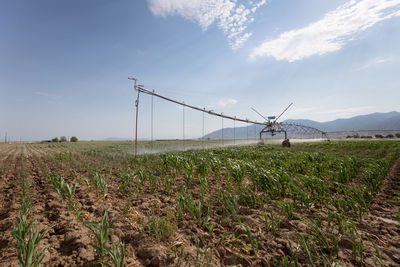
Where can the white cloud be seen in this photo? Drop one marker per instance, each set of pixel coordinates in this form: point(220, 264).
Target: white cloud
point(376, 61)
point(231, 16)
point(225, 102)
point(44, 94)
point(331, 33)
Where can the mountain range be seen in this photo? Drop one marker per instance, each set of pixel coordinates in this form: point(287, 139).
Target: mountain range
point(375, 122)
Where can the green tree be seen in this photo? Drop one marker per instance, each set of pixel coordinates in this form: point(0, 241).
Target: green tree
point(55, 139)
point(74, 139)
point(63, 139)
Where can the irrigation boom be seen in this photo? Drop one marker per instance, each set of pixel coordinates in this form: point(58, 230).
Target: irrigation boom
point(142, 90)
point(270, 124)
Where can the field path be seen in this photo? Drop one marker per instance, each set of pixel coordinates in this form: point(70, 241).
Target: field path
point(381, 225)
point(9, 203)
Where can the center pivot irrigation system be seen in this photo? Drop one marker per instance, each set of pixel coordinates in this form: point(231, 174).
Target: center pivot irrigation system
point(271, 124)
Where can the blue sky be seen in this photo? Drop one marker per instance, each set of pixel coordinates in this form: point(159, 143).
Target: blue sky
point(64, 64)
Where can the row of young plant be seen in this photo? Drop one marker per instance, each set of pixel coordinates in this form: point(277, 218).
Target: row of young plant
point(26, 236)
point(108, 252)
point(11, 151)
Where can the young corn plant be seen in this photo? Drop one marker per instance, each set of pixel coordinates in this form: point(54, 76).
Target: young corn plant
point(189, 173)
point(100, 231)
point(304, 243)
point(249, 237)
point(202, 168)
point(126, 182)
point(68, 192)
point(160, 228)
point(216, 167)
point(27, 245)
point(100, 183)
point(272, 223)
point(203, 255)
point(117, 254)
point(237, 171)
point(327, 243)
point(58, 183)
point(228, 203)
point(288, 209)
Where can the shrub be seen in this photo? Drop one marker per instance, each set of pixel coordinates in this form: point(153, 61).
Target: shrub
point(74, 139)
point(55, 139)
point(63, 139)
point(378, 136)
point(398, 135)
point(389, 136)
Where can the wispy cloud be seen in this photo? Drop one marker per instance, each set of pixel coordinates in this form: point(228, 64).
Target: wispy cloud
point(49, 98)
point(329, 34)
point(225, 102)
point(376, 61)
point(47, 95)
point(231, 16)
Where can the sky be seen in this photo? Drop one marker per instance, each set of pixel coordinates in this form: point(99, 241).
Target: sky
point(64, 65)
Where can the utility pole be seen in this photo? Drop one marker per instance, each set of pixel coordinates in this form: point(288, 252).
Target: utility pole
point(183, 125)
point(234, 131)
point(5, 139)
point(152, 136)
point(222, 133)
point(203, 130)
point(137, 111)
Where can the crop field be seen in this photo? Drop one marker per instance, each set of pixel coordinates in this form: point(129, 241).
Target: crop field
point(93, 203)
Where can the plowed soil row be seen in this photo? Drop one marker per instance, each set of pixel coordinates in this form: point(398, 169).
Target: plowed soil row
point(92, 208)
point(9, 203)
point(381, 224)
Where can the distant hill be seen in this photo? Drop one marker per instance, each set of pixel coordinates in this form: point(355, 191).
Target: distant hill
point(115, 139)
point(374, 121)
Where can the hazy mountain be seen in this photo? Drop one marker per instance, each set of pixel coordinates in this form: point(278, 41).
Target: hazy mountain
point(116, 139)
point(374, 121)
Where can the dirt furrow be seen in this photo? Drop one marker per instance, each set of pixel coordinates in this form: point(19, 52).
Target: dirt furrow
point(382, 224)
point(3, 159)
point(9, 203)
point(69, 239)
point(93, 206)
point(36, 150)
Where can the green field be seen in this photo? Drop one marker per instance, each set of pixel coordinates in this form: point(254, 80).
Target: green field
point(314, 204)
